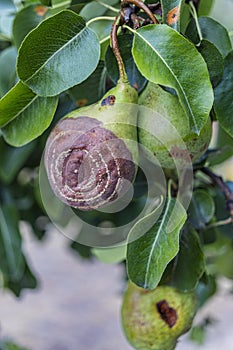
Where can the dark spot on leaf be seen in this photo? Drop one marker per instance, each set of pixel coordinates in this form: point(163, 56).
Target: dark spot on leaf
point(173, 15)
point(40, 10)
point(167, 313)
point(82, 102)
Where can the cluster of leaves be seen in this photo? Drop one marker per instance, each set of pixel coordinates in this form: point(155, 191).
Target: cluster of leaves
point(54, 57)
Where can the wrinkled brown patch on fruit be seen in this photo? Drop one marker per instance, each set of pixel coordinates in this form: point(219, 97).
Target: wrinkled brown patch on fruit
point(87, 165)
point(40, 10)
point(108, 101)
point(167, 313)
point(179, 153)
point(173, 15)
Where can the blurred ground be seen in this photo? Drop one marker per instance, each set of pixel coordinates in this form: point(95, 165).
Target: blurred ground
point(77, 306)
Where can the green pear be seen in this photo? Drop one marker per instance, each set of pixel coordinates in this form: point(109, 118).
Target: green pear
point(164, 130)
point(91, 154)
point(154, 320)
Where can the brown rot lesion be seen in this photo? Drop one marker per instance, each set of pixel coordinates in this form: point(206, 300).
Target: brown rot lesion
point(167, 313)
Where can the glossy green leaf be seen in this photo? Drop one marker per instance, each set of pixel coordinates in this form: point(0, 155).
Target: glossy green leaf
point(205, 7)
point(223, 104)
point(94, 9)
point(65, 53)
point(11, 261)
point(15, 102)
point(26, 20)
point(214, 60)
point(212, 31)
point(135, 78)
point(12, 159)
point(148, 256)
point(27, 115)
point(84, 95)
point(7, 69)
point(110, 255)
point(201, 209)
point(171, 12)
point(157, 60)
point(189, 264)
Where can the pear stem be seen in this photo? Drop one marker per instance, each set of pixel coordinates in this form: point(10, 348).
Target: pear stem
point(143, 7)
point(116, 50)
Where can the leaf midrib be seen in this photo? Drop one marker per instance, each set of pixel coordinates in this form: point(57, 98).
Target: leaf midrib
point(155, 241)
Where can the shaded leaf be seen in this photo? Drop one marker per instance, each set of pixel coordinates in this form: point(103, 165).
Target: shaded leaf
point(205, 7)
point(82, 250)
point(94, 9)
point(65, 53)
point(206, 289)
point(201, 209)
point(223, 104)
point(214, 60)
point(212, 31)
point(92, 89)
point(27, 19)
point(12, 159)
point(26, 281)
point(11, 260)
point(159, 63)
point(148, 256)
point(135, 78)
point(189, 264)
point(7, 69)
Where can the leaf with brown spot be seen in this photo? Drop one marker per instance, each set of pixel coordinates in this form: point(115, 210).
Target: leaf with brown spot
point(171, 13)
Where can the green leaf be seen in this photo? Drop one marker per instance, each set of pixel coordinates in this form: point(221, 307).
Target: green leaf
point(12, 159)
point(224, 148)
point(214, 60)
point(26, 280)
point(171, 12)
point(223, 104)
point(148, 256)
point(46, 2)
point(26, 20)
point(201, 209)
point(189, 264)
point(94, 9)
point(205, 7)
point(125, 45)
point(159, 62)
point(7, 69)
point(27, 115)
point(11, 261)
point(212, 31)
point(206, 289)
point(83, 94)
point(65, 53)
point(110, 255)
point(82, 250)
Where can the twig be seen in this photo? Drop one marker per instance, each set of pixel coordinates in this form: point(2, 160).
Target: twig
point(116, 50)
point(143, 7)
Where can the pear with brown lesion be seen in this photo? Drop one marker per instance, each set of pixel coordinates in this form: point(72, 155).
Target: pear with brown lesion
point(91, 154)
point(154, 320)
point(164, 129)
